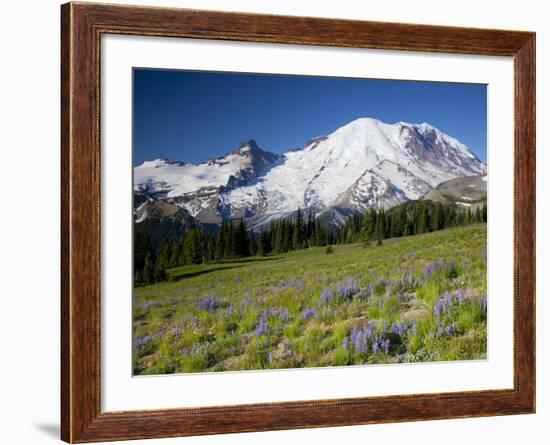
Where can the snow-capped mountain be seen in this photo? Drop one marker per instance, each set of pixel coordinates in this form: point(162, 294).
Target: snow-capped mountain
point(363, 164)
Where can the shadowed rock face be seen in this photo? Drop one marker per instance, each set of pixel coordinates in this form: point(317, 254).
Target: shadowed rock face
point(468, 191)
point(162, 220)
point(427, 145)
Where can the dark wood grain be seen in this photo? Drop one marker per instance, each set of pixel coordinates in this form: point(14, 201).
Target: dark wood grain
point(81, 28)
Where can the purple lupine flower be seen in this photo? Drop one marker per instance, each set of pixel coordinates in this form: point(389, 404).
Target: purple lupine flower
point(327, 296)
point(287, 349)
point(197, 348)
point(460, 295)
point(140, 342)
point(413, 327)
point(374, 347)
point(248, 301)
point(348, 287)
point(149, 304)
point(177, 330)
point(439, 330)
point(262, 328)
point(345, 343)
point(209, 304)
point(434, 267)
point(294, 283)
point(195, 321)
point(429, 270)
point(399, 328)
point(310, 313)
point(443, 304)
point(483, 304)
point(370, 290)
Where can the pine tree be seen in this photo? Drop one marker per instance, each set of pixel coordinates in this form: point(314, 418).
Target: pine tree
point(175, 255)
point(159, 272)
point(379, 228)
point(149, 269)
point(221, 242)
point(422, 226)
point(264, 244)
point(164, 254)
point(193, 247)
point(211, 249)
point(253, 245)
point(142, 246)
point(242, 243)
point(289, 230)
point(369, 225)
point(298, 231)
point(138, 278)
point(437, 219)
point(478, 217)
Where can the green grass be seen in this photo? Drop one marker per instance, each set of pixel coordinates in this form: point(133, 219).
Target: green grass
point(175, 330)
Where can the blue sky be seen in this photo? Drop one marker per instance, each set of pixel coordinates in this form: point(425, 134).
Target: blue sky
point(192, 116)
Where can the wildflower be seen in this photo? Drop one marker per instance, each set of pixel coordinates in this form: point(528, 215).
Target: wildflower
point(310, 313)
point(443, 304)
point(359, 337)
point(348, 287)
point(177, 330)
point(483, 304)
point(294, 283)
point(149, 304)
point(262, 328)
point(327, 296)
point(399, 328)
point(195, 321)
point(209, 304)
point(345, 343)
point(281, 314)
point(140, 342)
point(460, 295)
point(248, 301)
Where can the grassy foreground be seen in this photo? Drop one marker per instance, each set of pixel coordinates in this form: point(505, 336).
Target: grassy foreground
point(414, 299)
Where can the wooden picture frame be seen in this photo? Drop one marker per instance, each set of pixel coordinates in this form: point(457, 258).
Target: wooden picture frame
point(82, 25)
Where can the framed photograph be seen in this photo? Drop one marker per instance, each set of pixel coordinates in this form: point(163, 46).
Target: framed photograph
point(275, 222)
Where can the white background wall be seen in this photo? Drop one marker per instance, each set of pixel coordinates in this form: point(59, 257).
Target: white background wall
point(29, 222)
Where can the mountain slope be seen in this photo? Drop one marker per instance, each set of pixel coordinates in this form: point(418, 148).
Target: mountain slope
point(467, 191)
point(362, 164)
point(161, 220)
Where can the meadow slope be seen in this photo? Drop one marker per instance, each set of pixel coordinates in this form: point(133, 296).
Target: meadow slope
point(413, 299)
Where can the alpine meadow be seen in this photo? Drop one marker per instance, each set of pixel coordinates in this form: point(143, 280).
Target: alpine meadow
point(335, 240)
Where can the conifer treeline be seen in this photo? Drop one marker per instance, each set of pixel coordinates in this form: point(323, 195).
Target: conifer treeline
point(410, 218)
point(302, 231)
